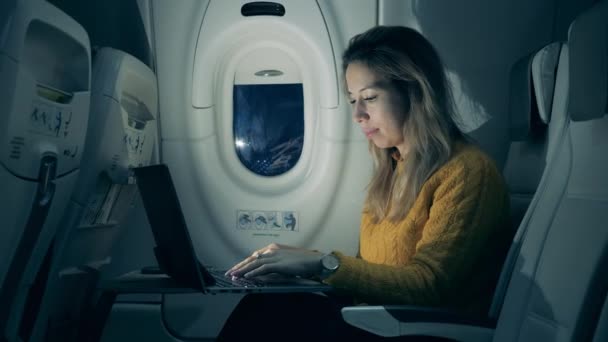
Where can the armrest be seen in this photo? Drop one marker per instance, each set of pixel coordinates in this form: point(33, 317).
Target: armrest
point(398, 320)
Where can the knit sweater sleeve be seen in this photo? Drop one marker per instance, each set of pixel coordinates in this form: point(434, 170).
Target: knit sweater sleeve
point(466, 204)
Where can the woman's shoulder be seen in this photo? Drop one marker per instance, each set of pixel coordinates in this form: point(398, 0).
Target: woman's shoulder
point(468, 161)
point(470, 153)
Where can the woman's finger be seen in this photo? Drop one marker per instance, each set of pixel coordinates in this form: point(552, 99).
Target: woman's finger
point(251, 266)
point(262, 270)
point(244, 262)
point(238, 265)
point(267, 251)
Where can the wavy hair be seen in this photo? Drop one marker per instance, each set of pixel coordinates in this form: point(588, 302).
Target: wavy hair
point(405, 58)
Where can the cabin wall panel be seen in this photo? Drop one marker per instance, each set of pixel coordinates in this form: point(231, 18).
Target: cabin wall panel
point(479, 42)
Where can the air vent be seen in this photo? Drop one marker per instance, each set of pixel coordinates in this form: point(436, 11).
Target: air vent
point(269, 73)
point(262, 8)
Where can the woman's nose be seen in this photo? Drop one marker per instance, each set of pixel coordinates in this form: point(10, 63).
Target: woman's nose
point(359, 112)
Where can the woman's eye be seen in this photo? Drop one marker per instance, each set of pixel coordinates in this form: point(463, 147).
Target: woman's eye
point(351, 101)
point(369, 99)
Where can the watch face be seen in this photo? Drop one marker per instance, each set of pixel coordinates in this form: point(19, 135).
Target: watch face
point(330, 262)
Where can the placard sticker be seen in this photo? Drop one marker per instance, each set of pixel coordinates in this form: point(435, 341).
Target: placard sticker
point(290, 220)
point(244, 219)
point(259, 220)
point(267, 220)
point(273, 221)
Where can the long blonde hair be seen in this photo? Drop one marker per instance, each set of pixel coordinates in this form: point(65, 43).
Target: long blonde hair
point(405, 58)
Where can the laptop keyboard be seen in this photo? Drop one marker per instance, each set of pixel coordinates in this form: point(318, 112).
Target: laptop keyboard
point(224, 281)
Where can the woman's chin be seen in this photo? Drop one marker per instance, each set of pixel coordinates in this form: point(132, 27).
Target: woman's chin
point(380, 144)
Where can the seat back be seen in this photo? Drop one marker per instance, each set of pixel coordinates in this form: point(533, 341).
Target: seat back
point(122, 134)
point(44, 99)
point(531, 123)
point(601, 327)
point(531, 95)
point(556, 290)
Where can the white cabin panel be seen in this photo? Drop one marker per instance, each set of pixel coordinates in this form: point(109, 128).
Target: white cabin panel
point(231, 210)
point(176, 30)
point(326, 187)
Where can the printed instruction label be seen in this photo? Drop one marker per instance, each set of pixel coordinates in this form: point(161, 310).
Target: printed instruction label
point(267, 220)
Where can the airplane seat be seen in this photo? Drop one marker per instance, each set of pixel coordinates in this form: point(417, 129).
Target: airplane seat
point(121, 135)
point(44, 94)
point(533, 81)
point(556, 290)
point(601, 328)
point(529, 156)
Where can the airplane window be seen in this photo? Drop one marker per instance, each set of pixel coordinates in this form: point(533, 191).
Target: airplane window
point(268, 126)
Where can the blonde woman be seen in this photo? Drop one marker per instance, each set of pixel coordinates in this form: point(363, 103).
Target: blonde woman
point(435, 225)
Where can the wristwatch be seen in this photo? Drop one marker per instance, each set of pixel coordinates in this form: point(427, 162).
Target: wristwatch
point(329, 264)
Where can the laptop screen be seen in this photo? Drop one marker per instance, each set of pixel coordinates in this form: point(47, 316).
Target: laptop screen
point(174, 251)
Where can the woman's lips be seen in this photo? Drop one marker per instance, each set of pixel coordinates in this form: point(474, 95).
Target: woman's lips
point(369, 131)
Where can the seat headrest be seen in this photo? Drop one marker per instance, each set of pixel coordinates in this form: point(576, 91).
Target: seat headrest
point(588, 65)
point(520, 99)
point(544, 67)
point(532, 83)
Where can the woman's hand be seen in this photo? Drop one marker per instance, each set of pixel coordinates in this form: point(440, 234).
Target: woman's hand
point(281, 259)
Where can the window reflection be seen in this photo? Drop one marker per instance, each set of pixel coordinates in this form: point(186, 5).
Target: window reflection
point(268, 126)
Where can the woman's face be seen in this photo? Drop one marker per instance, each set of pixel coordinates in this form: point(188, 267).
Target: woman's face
point(377, 107)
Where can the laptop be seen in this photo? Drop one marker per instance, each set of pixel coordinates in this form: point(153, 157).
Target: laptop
point(174, 252)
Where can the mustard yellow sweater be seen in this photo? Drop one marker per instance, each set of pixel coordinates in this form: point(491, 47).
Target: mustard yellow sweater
point(449, 249)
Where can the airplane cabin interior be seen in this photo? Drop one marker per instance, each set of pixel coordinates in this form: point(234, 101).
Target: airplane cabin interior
point(244, 102)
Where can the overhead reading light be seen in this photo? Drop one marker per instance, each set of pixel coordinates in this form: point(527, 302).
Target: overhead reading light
point(269, 73)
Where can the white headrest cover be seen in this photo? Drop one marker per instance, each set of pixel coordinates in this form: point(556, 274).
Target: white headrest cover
point(588, 68)
point(544, 67)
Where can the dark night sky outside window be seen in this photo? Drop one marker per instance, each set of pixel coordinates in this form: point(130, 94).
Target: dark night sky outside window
point(269, 126)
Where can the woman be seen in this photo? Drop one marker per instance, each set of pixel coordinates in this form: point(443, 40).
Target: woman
point(435, 223)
